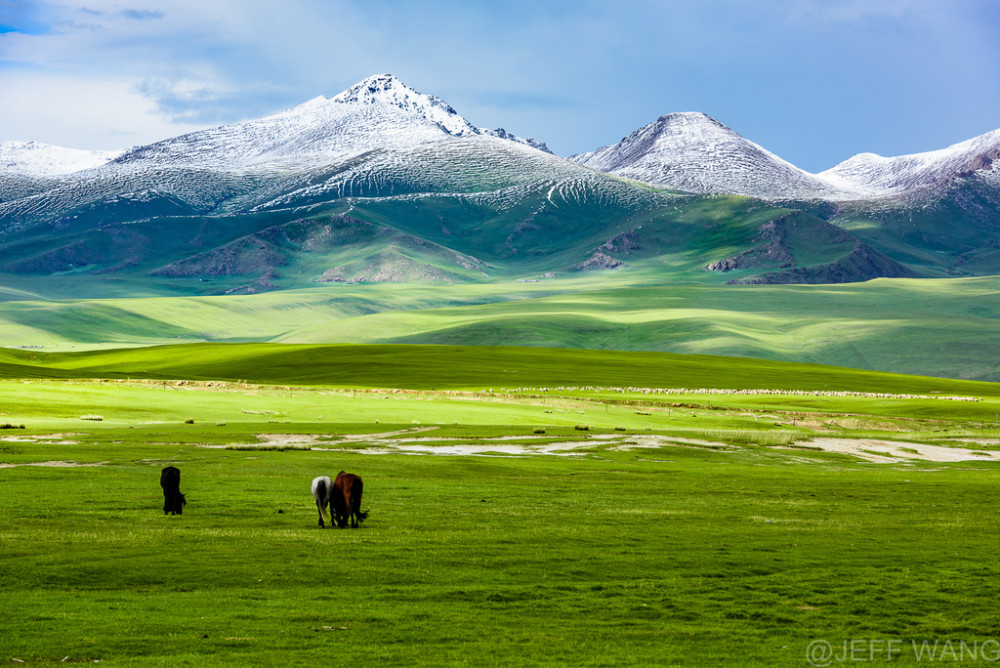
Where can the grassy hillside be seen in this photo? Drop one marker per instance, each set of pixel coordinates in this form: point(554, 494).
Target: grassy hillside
point(524, 232)
point(941, 327)
point(470, 367)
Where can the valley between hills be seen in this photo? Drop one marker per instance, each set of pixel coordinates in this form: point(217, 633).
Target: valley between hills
point(383, 216)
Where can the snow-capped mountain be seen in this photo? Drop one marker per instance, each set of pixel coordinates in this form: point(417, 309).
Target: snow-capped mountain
point(343, 187)
point(35, 159)
point(692, 152)
point(387, 89)
point(377, 138)
point(378, 113)
point(877, 177)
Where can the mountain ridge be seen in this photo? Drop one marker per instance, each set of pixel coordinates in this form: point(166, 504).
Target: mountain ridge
point(225, 208)
point(683, 151)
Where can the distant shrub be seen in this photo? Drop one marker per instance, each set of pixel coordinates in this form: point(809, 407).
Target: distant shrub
point(619, 428)
point(538, 430)
point(95, 418)
point(189, 421)
point(582, 427)
point(11, 426)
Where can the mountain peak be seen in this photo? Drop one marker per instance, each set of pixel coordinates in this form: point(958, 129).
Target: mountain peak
point(387, 90)
point(692, 152)
point(681, 117)
point(378, 88)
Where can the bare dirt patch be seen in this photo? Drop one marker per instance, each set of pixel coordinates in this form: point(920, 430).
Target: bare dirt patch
point(652, 441)
point(271, 441)
point(892, 452)
point(56, 464)
point(48, 439)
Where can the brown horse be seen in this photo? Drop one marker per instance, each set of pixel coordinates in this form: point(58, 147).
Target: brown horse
point(346, 500)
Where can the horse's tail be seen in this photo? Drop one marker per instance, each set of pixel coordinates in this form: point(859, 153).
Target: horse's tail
point(324, 513)
point(184, 501)
point(356, 493)
point(321, 494)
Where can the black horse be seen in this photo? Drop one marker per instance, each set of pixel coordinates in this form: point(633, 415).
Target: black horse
point(173, 500)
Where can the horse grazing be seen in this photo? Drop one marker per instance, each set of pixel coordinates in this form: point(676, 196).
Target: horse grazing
point(322, 490)
point(347, 492)
point(173, 500)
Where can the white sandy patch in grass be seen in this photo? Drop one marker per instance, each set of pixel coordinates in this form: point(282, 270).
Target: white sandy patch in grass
point(641, 441)
point(479, 449)
point(386, 443)
point(497, 446)
point(889, 452)
point(48, 439)
point(389, 443)
point(407, 442)
point(312, 440)
point(56, 464)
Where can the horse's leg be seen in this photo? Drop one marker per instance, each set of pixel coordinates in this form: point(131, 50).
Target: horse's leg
point(337, 508)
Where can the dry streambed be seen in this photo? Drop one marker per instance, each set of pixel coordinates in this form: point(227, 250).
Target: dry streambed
point(885, 452)
point(408, 442)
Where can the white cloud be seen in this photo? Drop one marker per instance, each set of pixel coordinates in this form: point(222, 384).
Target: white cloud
point(66, 110)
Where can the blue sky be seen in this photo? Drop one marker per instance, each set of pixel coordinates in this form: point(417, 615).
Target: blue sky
point(814, 81)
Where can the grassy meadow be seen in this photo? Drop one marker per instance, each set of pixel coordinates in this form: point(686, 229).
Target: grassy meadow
point(527, 507)
point(929, 327)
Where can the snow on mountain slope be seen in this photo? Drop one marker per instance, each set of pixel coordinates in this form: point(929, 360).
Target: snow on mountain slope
point(387, 89)
point(874, 176)
point(44, 160)
point(695, 153)
point(380, 112)
point(377, 138)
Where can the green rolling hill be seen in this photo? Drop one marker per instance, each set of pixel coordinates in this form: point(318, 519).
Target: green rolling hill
point(382, 216)
point(464, 368)
point(936, 327)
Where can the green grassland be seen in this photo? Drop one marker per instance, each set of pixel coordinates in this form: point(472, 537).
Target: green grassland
point(940, 327)
point(728, 540)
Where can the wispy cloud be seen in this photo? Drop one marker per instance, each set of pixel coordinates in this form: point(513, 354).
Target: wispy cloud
point(141, 14)
point(821, 77)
